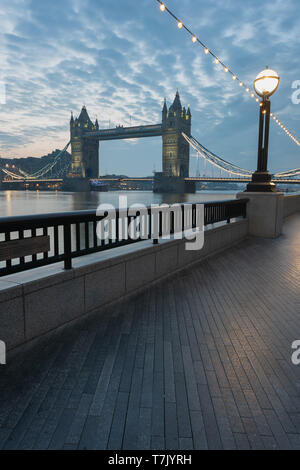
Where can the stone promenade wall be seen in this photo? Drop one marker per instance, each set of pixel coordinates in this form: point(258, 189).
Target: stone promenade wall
point(36, 302)
point(291, 204)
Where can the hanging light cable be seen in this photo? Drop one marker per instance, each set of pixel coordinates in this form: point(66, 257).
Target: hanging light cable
point(217, 60)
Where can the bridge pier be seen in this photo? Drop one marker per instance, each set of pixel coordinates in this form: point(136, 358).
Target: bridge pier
point(164, 183)
point(76, 184)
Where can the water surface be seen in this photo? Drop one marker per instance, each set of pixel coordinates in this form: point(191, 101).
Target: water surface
point(40, 202)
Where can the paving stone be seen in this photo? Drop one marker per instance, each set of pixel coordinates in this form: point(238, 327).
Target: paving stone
point(201, 360)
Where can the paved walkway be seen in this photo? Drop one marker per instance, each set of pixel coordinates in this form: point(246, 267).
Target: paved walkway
point(200, 361)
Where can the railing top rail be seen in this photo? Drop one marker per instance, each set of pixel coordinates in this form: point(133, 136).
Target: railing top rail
point(6, 223)
point(227, 201)
point(56, 218)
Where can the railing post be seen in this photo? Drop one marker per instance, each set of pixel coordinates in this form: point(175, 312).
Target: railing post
point(155, 240)
point(228, 213)
point(154, 226)
point(67, 246)
point(245, 209)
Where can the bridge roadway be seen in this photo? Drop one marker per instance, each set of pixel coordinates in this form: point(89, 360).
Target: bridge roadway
point(240, 180)
point(204, 179)
point(202, 360)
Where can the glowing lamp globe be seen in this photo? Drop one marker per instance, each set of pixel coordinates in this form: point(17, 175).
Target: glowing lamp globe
point(266, 83)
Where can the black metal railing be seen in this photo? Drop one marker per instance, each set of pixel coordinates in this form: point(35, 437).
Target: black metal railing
point(69, 235)
point(225, 210)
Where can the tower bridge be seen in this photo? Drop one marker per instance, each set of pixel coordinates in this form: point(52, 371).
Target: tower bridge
point(86, 135)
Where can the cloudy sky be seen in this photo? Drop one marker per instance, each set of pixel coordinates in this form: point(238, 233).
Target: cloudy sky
point(121, 58)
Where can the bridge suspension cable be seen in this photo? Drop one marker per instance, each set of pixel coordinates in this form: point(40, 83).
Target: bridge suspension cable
point(11, 174)
point(41, 172)
point(288, 173)
point(231, 168)
point(215, 160)
point(234, 76)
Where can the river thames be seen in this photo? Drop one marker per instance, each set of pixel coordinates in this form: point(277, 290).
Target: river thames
point(14, 203)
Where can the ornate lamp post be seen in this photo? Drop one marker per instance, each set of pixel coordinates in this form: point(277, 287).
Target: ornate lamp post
point(265, 84)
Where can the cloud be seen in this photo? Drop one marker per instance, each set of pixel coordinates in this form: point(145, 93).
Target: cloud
point(122, 58)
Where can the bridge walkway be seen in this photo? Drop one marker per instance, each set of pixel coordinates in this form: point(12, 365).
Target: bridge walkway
point(202, 360)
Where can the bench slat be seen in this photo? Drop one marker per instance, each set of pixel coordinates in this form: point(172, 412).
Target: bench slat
point(25, 247)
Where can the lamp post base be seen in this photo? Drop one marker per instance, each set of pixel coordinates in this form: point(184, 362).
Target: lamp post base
point(261, 183)
point(264, 213)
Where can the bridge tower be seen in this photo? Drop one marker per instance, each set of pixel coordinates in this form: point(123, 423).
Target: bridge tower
point(176, 150)
point(85, 151)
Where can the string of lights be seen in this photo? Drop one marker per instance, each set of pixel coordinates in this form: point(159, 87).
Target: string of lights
point(226, 69)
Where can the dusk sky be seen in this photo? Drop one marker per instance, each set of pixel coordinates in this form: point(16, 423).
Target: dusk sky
point(121, 58)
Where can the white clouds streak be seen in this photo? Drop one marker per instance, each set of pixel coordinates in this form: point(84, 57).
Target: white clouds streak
point(121, 59)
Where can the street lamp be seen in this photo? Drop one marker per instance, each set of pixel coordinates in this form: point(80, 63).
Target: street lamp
point(265, 84)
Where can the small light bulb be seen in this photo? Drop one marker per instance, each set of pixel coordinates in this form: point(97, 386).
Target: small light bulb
point(194, 39)
point(226, 69)
point(233, 77)
point(252, 95)
point(257, 100)
point(247, 90)
point(162, 7)
point(217, 61)
point(179, 24)
point(241, 83)
point(271, 114)
point(206, 51)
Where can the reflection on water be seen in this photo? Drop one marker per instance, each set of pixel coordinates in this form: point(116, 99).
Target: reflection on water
point(41, 202)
